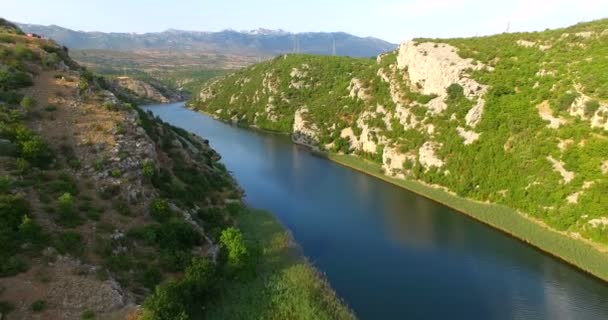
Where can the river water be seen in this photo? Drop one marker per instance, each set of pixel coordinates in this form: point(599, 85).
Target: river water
point(388, 253)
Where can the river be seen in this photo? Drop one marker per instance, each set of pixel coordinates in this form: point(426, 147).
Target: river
point(389, 253)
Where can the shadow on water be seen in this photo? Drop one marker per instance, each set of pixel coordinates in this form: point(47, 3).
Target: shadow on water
point(389, 253)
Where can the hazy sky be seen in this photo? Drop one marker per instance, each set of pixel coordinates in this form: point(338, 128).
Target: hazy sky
point(393, 20)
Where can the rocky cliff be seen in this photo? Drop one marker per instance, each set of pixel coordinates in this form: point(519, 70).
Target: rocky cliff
point(517, 119)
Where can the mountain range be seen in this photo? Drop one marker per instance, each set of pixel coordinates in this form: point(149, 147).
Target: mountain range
point(260, 42)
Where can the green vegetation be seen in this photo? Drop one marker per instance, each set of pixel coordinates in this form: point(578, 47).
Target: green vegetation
point(38, 305)
point(286, 285)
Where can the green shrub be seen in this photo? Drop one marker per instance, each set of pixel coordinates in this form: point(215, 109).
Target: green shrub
point(88, 315)
point(69, 242)
point(159, 210)
point(115, 173)
point(38, 305)
point(50, 60)
point(565, 101)
point(185, 298)
point(455, 92)
point(50, 108)
point(591, 107)
point(23, 52)
point(148, 169)
point(5, 184)
point(28, 103)
point(232, 241)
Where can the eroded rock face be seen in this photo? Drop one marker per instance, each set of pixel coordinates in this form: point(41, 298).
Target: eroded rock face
point(302, 132)
point(393, 161)
point(433, 67)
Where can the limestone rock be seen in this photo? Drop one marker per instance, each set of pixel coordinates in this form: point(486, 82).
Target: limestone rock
point(468, 136)
point(302, 132)
point(427, 156)
point(559, 166)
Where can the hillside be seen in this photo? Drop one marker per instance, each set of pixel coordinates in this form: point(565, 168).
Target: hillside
point(144, 90)
point(259, 42)
point(107, 212)
point(516, 119)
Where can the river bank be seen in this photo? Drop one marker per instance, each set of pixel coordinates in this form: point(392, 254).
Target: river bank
point(287, 285)
point(577, 253)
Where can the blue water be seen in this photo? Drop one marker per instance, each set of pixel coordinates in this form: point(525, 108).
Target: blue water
point(389, 253)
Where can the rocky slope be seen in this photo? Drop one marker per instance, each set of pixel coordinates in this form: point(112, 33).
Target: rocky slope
point(144, 91)
point(517, 119)
point(99, 201)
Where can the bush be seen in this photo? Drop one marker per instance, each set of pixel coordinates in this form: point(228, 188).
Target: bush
point(23, 52)
point(591, 107)
point(565, 101)
point(185, 298)
point(88, 315)
point(51, 108)
point(455, 92)
point(148, 169)
point(69, 242)
point(115, 173)
point(236, 249)
point(28, 103)
point(38, 306)
point(159, 210)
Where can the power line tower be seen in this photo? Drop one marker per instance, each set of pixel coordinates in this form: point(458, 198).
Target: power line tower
point(333, 48)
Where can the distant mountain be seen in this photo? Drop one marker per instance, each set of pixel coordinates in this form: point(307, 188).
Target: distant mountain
point(261, 42)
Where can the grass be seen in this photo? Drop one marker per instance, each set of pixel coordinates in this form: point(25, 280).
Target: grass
point(575, 252)
point(287, 286)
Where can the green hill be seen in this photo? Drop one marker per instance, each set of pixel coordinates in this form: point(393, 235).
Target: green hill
point(515, 119)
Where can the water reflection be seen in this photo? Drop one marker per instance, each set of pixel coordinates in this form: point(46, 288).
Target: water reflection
point(389, 253)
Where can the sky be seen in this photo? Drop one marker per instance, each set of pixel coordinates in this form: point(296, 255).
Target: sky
point(391, 20)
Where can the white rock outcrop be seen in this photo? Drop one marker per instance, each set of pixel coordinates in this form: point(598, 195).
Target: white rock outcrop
point(599, 222)
point(525, 43)
point(468, 135)
point(473, 117)
point(357, 90)
point(427, 156)
point(393, 160)
point(433, 67)
point(559, 167)
point(303, 133)
point(545, 113)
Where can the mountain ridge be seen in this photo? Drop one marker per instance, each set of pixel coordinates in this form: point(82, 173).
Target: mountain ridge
point(261, 41)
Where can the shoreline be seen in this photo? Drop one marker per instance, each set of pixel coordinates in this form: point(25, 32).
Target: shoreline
point(508, 221)
point(600, 273)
